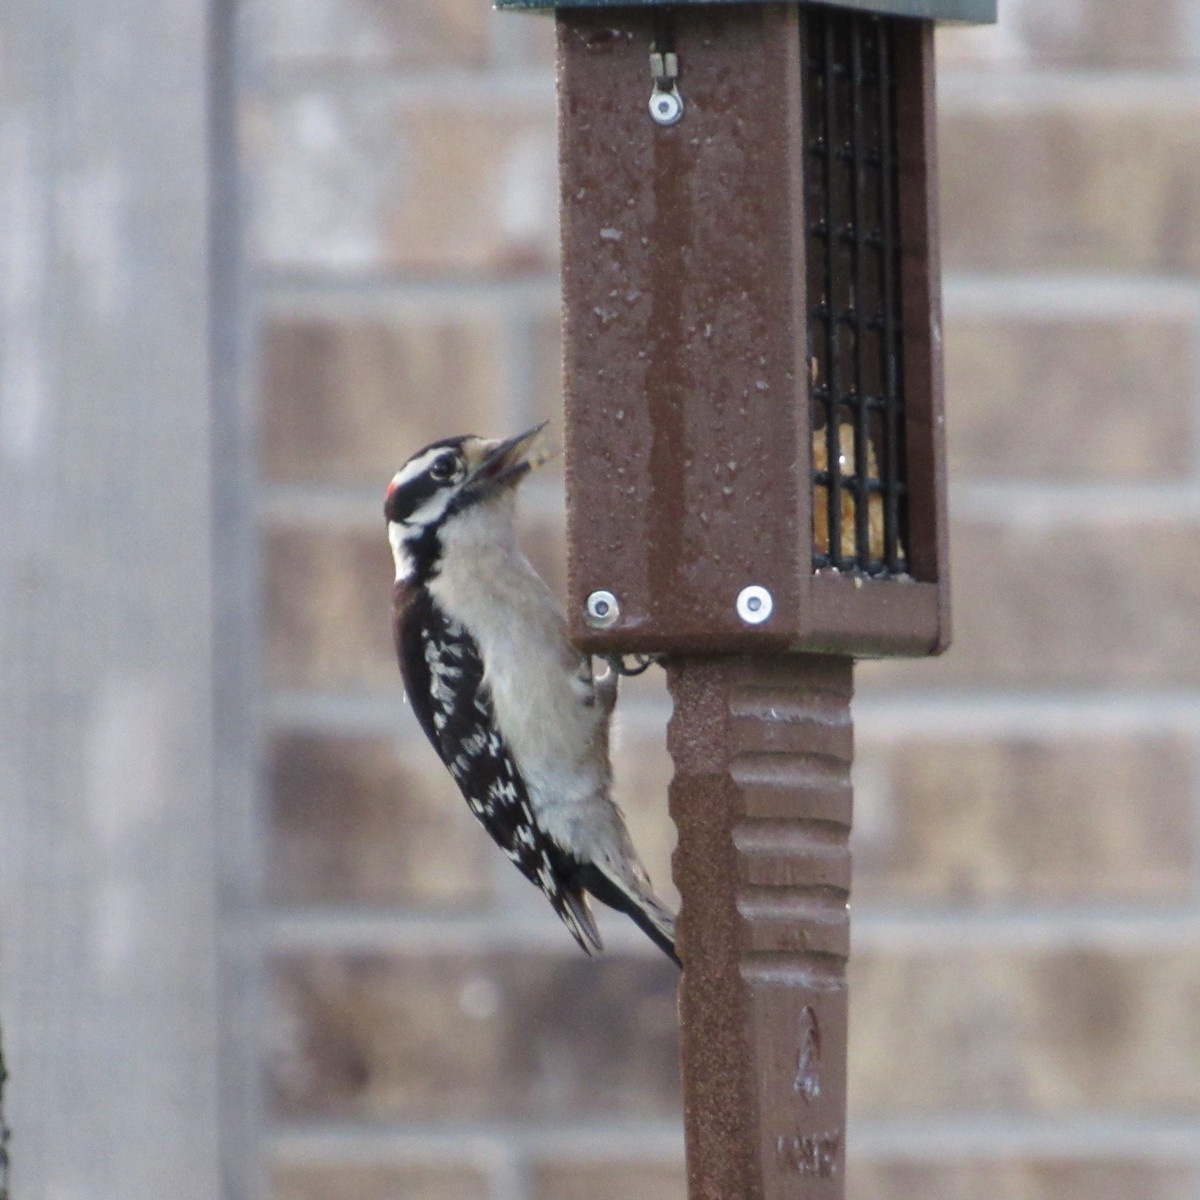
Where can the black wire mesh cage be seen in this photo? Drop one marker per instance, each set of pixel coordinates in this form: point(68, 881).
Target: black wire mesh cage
point(855, 327)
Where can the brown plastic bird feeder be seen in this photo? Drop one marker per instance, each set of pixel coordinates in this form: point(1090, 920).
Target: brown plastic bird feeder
point(756, 487)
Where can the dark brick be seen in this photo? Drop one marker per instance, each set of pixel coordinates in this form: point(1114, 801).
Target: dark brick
point(1056, 399)
point(357, 33)
point(1097, 33)
point(1027, 820)
point(1066, 604)
point(363, 820)
point(328, 609)
point(1050, 185)
point(966, 1030)
point(408, 1182)
point(608, 1181)
point(371, 1036)
point(1041, 1179)
point(376, 178)
point(346, 400)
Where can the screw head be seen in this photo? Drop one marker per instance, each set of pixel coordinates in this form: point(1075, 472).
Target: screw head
point(666, 108)
point(754, 604)
point(602, 610)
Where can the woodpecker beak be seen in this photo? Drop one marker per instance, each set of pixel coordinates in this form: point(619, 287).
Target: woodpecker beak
point(509, 461)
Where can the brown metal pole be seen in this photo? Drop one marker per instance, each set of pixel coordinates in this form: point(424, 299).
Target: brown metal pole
point(761, 797)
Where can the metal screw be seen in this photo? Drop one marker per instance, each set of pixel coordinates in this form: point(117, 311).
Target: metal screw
point(754, 604)
point(603, 610)
point(666, 107)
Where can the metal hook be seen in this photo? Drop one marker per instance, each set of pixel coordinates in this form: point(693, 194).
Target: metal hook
point(666, 104)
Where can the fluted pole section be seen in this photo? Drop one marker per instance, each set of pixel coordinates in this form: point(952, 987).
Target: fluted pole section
point(762, 801)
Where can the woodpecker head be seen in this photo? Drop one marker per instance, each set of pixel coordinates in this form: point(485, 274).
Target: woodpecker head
point(447, 479)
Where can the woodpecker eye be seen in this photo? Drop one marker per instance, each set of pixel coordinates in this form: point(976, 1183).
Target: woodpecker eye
point(443, 469)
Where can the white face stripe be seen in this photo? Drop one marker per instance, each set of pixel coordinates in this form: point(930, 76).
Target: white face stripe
point(404, 563)
point(436, 502)
point(418, 466)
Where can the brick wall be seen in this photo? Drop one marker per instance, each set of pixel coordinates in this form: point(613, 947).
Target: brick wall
point(1026, 978)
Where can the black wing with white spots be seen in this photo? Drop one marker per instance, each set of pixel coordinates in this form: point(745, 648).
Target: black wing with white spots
point(443, 675)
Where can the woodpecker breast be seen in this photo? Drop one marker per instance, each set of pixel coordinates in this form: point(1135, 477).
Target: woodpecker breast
point(541, 687)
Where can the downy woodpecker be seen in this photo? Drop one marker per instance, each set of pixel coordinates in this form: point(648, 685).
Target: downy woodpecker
point(512, 709)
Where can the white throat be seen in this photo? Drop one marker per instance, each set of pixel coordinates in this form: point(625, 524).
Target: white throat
point(405, 567)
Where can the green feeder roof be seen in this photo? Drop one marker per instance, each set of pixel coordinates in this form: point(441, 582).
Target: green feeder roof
point(981, 12)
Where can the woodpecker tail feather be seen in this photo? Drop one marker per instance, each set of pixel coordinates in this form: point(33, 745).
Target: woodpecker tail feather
point(576, 914)
point(638, 903)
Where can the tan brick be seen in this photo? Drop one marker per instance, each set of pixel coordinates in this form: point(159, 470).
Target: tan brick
point(540, 42)
point(1098, 399)
point(328, 602)
point(1029, 820)
point(1047, 1179)
point(368, 1036)
point(547, 359)
point(363, 820)
point(1043, 1031)
point(1097, 33)
point(1075, 181)
point(357, 33)
point(346, 399)
point(542, 536)
point(1113, 604)
point(408, 1182)
point(607, 1181)
point(378, 178)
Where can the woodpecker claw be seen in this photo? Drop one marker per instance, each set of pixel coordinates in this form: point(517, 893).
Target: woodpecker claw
point(644, 663)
